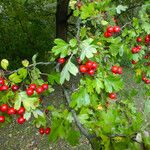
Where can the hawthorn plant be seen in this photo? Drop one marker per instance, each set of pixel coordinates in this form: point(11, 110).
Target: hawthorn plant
point(96, 107)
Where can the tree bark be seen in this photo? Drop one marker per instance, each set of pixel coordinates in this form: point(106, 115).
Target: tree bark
point(61, 19)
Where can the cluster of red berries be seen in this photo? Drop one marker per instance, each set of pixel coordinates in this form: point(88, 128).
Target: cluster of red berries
point(4, 108)
point(110, 30)
point(46, 131)
point(146, 39)
point(147, 81)
point(116, 69)
point(89, 67)
point(39, 90)
point(136, 49)
point(4, 87)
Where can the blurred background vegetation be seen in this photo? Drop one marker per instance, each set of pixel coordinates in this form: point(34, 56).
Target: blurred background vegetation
point(29, 26)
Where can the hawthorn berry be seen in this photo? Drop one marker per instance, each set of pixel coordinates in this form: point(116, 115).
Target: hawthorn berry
point(45, 86)
point(21, 120)
point(47, 130)
point(29, 91)
point(32, 86)
point(61, 60)
point(114, 69)
point(107, 34)
point(147, 81)
point(39, 90)
point(41, 131)
point(2, 81)
point(119, 70)
point(11, 111)
point(2, 119)
point(14, 88)
point(112, 95)
point(139, 39)
point(134, 62)
point(116, 29)
point(91, 72)
point(21, 111)
point(4, 88)
point(89, 64)
point(94, 65)
point(4, 108)
point(83, 69)
point(110, 29)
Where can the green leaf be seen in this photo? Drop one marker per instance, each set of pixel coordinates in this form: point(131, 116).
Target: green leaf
point(73, 137)
point(73, 42)
point(120, 8)
point(104, 23)
point(68, 69)
point(25, 63)
point(83, 118)
point(4, 63)
point(61, 48)
point(34, 58)
point(54, 77)
point(27, 115)
point(15, 78)
point(87, 48)
point(23, 73)
point(80, 98)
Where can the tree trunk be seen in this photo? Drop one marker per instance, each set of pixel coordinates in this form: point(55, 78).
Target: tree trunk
point(61, 19)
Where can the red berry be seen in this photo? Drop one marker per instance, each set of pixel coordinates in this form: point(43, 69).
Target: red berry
point(45, 86)
point(61, 60)
point(144, 78)
point(2, 119)
point(39, 90)
point(41, 131)
point(119, 71)
point(91, 72)
point(21, 120)
point(32, 86)
point(146, 56)
point(94, 65)
point(83, 69)
point(46, 111)
point(134, 62)
point(2, 81)
point(11, 111)
point(89, 64)
point(110, 29)
point(139, 39)
point(47, 130)
point(116, 29)
point(147, 81)
point(114, 69)
point(14, 88)
point(4, 107)
point(4, 88)
point(107, 34)
point(134, 50)
point(79, 60)
point(21, 111)
point(30, 92)
point(112, 95)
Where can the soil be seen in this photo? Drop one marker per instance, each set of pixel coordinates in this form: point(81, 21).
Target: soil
point(26, 136)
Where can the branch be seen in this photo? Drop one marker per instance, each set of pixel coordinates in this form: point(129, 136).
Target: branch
point(30, 66)
point(79, 125)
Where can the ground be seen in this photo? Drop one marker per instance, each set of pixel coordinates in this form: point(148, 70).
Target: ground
point(26, 136)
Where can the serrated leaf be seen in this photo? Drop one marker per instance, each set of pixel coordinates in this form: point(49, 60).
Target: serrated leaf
point(120, 8)
point(23, 73)
point(15, 78)
point(87, 48)
point(27, 115)
point(73, 42)
point(4, 63)
point(34, 58)
point(68, 69)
